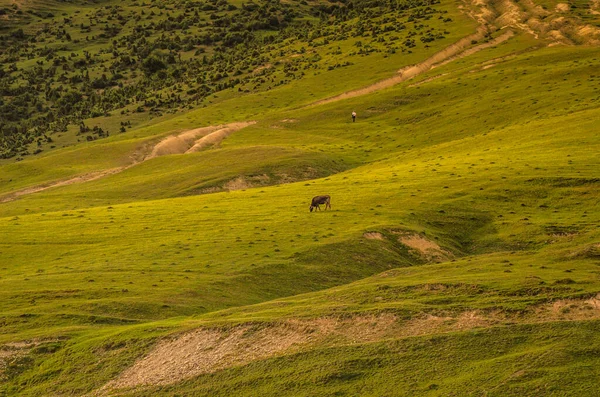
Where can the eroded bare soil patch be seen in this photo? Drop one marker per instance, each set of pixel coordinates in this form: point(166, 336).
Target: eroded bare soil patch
point(555, 26)
point(425, 247)
point(209, 350)
point(373, 236)
point(196, 139)
point(13, 351)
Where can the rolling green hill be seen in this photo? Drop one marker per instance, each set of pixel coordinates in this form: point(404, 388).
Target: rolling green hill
point(178, 255)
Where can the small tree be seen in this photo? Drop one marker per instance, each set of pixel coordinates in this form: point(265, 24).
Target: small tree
point(152, 65)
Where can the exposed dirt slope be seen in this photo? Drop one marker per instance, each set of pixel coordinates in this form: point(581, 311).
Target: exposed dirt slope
point(426, 248)
point(555, 26)
point(14, 351)
point(177, 144)
point(217, 136)
point(195, 140)
point(209, 350)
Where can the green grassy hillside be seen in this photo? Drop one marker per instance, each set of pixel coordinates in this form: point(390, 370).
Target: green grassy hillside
point(82, 71)
point(460, 256)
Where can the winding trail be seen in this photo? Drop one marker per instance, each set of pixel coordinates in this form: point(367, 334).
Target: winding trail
point(462, 48)
point(92, 176)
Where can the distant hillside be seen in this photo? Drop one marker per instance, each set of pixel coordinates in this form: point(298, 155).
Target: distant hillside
point(64, 64)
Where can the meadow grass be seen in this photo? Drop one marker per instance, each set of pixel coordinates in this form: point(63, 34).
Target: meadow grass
point(496, 165)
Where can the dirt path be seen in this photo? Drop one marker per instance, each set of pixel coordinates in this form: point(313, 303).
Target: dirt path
point(92, 176)
point(182, 143)
point(410, 72)
point(462, 48)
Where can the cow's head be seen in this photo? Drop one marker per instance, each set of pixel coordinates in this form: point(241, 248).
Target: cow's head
point(311, 208)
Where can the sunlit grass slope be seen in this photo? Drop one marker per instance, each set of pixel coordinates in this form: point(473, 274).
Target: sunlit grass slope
point(233, 105)
point(496, 164)
point(394, 121)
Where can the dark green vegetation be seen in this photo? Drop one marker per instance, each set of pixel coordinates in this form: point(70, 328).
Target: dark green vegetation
point(488, 163)
point(68, 64)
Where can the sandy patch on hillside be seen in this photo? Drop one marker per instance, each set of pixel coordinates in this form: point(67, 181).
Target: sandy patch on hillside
point(202, 351)
point(481, 12)
point(209, 350)
point(511, 15)
point(261, 68)
point(177, 144)
point(205, 351)
point(241, 182)
point(10, 352)
point(216, 137)
point(591, 33)
point(419, 243)
point(426, 248)
point(238, 183)
point(568, 309)
point(14, 350)
point(421, 246)
point(195, 140)
point(556, 26)
point(373, 236)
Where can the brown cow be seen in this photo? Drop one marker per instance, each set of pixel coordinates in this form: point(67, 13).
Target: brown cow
point(318, 200)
